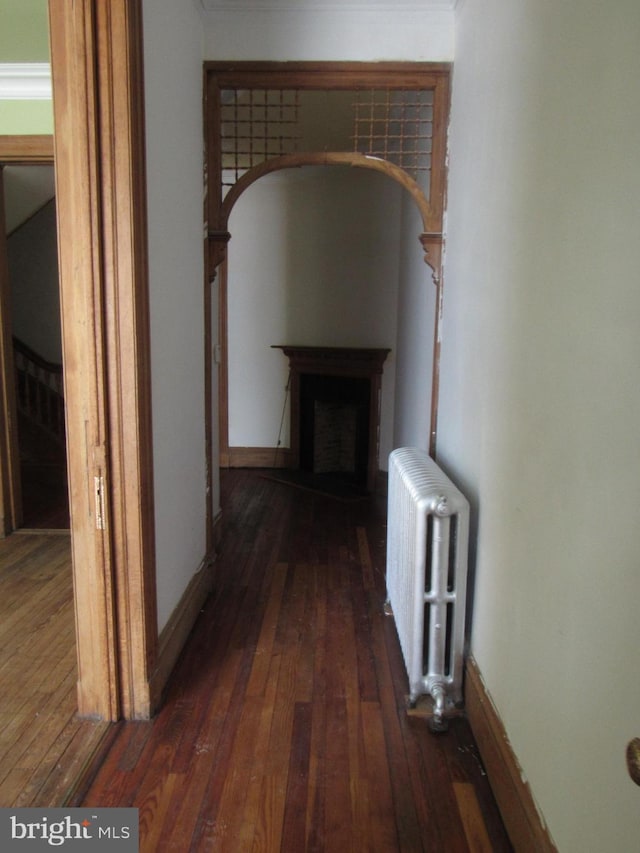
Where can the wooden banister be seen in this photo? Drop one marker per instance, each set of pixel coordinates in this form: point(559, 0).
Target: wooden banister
point(39, 390)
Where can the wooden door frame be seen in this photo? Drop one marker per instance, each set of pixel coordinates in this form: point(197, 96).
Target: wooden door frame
point(96, 52)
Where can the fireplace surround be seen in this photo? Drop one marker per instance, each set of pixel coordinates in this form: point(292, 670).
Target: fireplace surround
point(335, 411)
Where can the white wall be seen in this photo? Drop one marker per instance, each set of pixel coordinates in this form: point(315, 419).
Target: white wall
point(304, 31)
point(173, 91)
point(540, 411)
point(415, 336)
point(313, 260)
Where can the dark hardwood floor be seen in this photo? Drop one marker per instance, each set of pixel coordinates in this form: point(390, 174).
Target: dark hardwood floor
point(285, 726)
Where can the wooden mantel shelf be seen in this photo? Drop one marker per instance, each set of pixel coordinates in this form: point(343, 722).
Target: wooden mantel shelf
point(339, 361)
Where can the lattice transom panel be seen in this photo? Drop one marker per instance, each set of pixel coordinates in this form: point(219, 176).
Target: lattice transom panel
point(392, 124)
point(397, 126)
point(256, 124)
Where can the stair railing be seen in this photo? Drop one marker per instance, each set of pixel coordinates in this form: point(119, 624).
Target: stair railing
point(39, 389)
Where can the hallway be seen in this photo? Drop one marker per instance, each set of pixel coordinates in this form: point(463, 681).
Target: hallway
point(285, 725)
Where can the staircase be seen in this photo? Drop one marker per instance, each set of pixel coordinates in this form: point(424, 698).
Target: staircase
point(39, 396)
point(41, 438)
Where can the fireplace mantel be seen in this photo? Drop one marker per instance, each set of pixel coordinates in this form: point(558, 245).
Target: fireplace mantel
point(347, 362)
point(339, 361)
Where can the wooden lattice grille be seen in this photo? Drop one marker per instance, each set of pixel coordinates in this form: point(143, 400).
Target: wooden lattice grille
point(257, 124)
point(395, 125)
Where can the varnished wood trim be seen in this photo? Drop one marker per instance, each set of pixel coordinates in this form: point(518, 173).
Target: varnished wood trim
point(328, 158)
point(259, 457)
point(327, 75)
point(179, 626)
point(215, 267)
point(96, 51)
point(78, 190)
point(26, 150)
point(331, 76)
point(223, 367)
point(521, 817)
point(437, 190)
point(123, 178)
point(208, 409)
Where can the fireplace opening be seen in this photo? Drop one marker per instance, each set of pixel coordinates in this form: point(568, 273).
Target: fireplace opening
point(334, 427)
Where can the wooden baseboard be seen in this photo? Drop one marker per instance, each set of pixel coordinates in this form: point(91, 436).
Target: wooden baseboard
point(175, 633)
point(259, 457)
point(520, 814)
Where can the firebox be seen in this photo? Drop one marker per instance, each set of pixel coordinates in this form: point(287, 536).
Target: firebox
point(334, 426)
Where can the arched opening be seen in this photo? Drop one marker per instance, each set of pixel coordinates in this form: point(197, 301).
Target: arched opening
point(323, 256)
point(263, 119)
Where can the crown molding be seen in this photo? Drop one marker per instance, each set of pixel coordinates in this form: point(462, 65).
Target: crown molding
point(25, 81)
point(388, 6)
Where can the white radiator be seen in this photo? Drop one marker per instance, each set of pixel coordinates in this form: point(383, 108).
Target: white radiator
point(427, 550)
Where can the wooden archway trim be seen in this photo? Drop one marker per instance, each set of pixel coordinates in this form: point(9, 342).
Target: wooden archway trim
point(431, 240)
point(324, 75)
point(313, 158)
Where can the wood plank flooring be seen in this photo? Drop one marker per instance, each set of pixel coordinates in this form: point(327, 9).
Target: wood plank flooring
point(43, 746)
point(285, 726)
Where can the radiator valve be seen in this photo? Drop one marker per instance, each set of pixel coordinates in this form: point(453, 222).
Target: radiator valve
point(437, 722)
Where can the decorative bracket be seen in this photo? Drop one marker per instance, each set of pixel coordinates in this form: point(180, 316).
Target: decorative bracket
point(217, 250)
point(432, 245)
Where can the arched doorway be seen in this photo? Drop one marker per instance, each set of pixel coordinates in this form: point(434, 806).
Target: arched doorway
point(262, 120)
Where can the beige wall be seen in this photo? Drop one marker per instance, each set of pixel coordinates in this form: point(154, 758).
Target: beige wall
point(540, 410)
